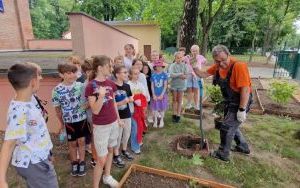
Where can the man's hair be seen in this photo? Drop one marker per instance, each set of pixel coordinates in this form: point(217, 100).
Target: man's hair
point(218, 49)
point(66, 67)
point(20, 75)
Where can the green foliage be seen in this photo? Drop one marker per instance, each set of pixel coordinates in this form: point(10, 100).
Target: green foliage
point(49, 18)
point(168, 14)
point(281, 91)
point(193, 183)
point(215, 96)
point(197, 160)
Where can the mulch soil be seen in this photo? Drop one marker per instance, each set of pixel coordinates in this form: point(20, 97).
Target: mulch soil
point(291, 109)
point(146, 180)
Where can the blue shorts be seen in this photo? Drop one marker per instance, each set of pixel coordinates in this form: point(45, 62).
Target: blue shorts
point(192, 82)
point(178, 89)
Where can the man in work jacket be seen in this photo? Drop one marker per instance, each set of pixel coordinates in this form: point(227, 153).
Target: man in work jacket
point(234, 80)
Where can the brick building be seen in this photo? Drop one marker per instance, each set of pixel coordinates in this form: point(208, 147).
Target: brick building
point(16, 26)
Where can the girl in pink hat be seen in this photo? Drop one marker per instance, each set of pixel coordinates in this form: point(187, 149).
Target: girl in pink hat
point(159, 101)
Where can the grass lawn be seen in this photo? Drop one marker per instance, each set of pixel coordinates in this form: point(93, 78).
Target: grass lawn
point(274, 162)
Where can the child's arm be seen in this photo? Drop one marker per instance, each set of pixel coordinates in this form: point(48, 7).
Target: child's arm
point(152, 89)
point(164, 90)
point(5, 156)
point(123, 102)
point(172, 74)
point(59, 117)
point(96, 104)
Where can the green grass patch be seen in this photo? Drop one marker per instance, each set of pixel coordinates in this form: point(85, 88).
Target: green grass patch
point(248, 172)
point(275, 134)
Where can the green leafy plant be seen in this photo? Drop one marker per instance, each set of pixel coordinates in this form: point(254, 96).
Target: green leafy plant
point(193, 183)
point(215, 96)
point(197, 160)
point(281, 91)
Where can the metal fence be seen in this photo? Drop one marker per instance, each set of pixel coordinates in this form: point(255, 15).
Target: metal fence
point(287, 64)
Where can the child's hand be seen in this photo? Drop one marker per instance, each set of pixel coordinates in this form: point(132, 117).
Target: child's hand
point(182, 76)
point(60, 129)
point(138, 102)
point(160, 97)
point(154, 97)
point(121, 123)
point(127, 100)
point(102, 91)
point(131, 99)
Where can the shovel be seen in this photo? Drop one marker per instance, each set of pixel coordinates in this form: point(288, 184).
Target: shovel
point(203, 142)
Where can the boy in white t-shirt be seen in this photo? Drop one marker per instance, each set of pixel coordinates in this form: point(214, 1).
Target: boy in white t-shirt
point(27, 140)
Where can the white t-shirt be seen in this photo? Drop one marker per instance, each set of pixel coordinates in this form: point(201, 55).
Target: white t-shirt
point(138, 88)
point(26, 125)
point(128, 62)
point(142, 79)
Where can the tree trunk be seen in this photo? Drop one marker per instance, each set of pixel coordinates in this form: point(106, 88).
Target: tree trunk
point(188, 29)
point(207, 18)
point(204, 43)
point(252, 48)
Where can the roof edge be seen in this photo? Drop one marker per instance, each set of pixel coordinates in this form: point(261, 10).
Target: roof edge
point(99, 21)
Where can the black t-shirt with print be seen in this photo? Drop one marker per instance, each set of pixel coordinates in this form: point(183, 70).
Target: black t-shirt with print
point(122, 93)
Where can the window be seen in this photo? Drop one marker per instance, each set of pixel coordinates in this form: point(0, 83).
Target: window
point(1, 6)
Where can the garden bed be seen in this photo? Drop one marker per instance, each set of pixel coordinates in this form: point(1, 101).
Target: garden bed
point(256, 107)
point(188, 145)
point(256, 84)
point(291, 109)
point(141, 176)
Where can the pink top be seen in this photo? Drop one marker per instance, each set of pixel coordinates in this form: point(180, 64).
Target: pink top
point(200, 60)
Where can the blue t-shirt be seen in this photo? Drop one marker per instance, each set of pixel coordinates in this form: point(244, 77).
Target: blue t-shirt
point(158, 80)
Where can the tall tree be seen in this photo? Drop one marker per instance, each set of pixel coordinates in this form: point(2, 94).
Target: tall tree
point(207, 17)
point(109, 10)
point(188, 29)
point(168, 14)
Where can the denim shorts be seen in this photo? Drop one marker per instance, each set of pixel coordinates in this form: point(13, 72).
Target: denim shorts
point(178, 89)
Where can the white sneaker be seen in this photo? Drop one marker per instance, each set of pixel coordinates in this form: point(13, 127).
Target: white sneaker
point(188, 106)
point(150, 119)
point(161, 123)
point(155, 124)
point(110, 181)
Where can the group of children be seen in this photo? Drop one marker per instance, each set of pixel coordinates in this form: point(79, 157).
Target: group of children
point(101, 104)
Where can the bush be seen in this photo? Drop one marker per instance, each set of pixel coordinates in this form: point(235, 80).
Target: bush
point(281, 91)
point(215, 96)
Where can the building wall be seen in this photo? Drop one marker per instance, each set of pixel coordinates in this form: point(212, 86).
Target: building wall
point(50, 44)
point(147, 35)
point(44, 93)
point(93, 37)
point(17, 23)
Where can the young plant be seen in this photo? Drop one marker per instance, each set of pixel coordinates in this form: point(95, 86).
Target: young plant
point(215, 95)
point(197, 160)
point(281, 91)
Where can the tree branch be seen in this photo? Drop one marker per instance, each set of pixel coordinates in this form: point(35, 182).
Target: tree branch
point(217, 13)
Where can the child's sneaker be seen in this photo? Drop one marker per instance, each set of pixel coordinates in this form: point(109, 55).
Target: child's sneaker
point(82, 170)
point(93, 162)
point(137, 152)
point(150, 119)
point(127, 155)
point(74, 171)
point(118, 162)
point(174, 117)
point(110, 181)
point(155, 123)
point(161, 123)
